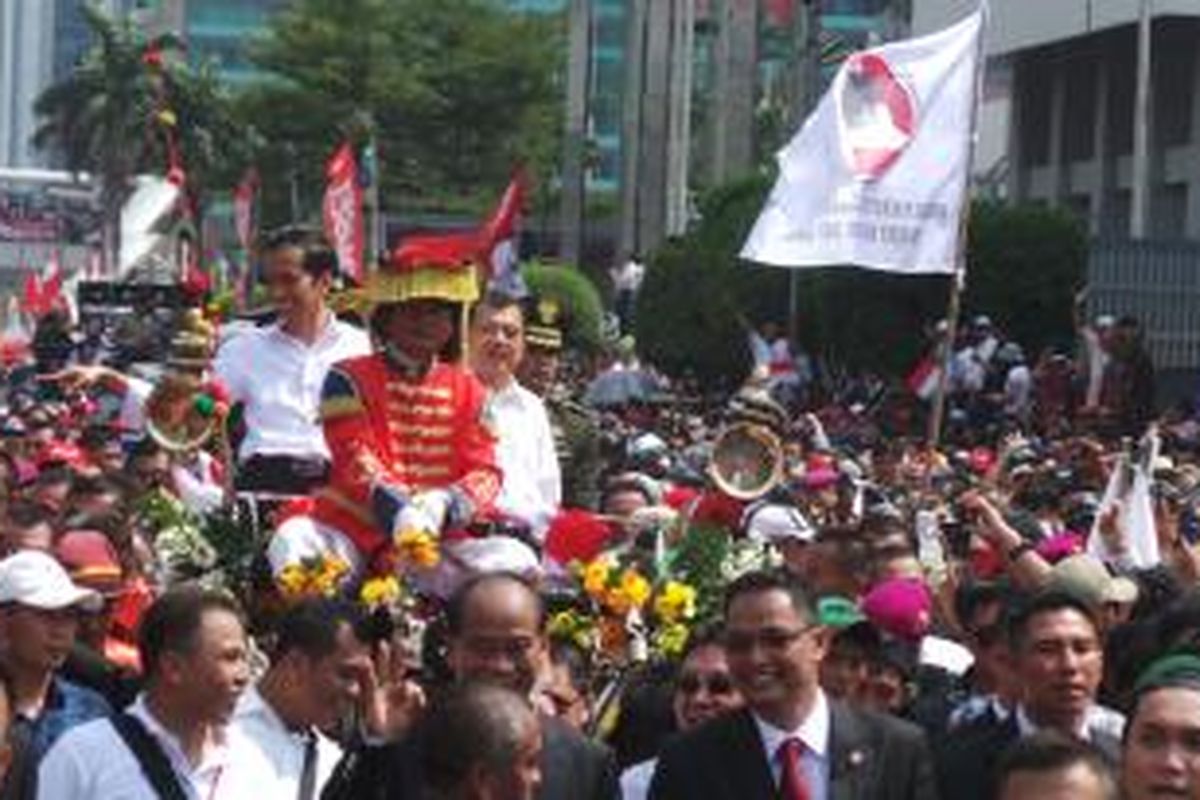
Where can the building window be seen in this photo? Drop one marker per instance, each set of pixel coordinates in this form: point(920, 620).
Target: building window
point(1079, 109)
point(1115, 224)
point(1034, 100)
point(1169, 217)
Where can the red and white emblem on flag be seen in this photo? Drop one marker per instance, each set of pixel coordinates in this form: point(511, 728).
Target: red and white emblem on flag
point(878, 114)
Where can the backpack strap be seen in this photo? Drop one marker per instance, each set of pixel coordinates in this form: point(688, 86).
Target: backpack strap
point(150, 756)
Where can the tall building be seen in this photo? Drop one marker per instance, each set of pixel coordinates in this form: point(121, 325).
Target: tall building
point(1064, 81)
point(220, 31)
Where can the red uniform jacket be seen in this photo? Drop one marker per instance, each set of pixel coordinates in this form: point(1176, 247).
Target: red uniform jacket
point(412, 432)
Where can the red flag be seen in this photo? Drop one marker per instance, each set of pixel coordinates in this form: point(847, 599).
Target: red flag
point(31, 294)
point(243, 207)
point(505, 220)
point(51, 283)
point(499, 237)
point(342, 211)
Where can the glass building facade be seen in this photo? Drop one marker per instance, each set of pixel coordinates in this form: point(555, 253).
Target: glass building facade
point(221, 30)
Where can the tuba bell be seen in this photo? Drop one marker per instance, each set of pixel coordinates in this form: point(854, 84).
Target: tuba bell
point(180, 412)
point(747, 461)
point(747, 458)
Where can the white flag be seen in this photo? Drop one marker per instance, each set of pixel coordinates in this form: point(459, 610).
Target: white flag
point(878, 174)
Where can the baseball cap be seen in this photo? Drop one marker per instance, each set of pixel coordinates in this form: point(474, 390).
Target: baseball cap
point(775, 523)
point(1086, 579)
point(836, 611)
point(90, 559)
point(34, 579)
point(901, 607)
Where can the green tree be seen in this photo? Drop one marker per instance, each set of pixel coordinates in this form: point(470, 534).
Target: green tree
point(456, 92)
point(1023, 265)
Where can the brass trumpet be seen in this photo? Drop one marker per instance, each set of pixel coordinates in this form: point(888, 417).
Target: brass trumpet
point(747, 461)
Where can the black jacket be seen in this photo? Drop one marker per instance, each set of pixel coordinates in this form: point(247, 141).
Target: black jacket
point(573, 768)
point(967, 757)
point(872, 757)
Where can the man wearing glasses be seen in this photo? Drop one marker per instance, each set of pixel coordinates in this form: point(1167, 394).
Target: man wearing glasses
point(790, 741)
point(704, 690)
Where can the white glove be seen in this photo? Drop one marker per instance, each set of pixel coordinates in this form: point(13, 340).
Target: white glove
point(425, 512)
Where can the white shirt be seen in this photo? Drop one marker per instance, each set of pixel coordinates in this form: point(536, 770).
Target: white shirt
point(532, 484)
point(91, 762)
point(635, 781)
point(266, 757)
point(278, 379)
point(814, 733)
point(1097, 362)
point(1098, 719)
point(1017, 391)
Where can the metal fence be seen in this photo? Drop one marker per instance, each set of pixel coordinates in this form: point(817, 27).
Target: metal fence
point(1159, 283)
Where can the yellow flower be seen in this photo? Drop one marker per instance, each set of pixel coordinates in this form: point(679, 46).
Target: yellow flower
point(380, 591)
point(292, 580)
point(671, 639)
point(635, 588)
point(595, 577)
point(418, 548)
point(676, 601)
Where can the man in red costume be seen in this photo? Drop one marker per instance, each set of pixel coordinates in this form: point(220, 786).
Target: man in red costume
point(411, 448)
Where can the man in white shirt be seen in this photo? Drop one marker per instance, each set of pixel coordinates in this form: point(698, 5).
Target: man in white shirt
point(277, 372)
point(193, 648)
point(532, 486)
point(320, 670)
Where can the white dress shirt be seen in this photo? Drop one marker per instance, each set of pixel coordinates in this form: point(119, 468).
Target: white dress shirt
point(635, 780)
point(814, 733)
point(91, 762)
point(1097, 719)
point(278, 379)
point(532, 485)
point(266, 757)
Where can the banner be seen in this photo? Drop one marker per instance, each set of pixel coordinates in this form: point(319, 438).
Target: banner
point(243, 208)
point(342, 212)
point(878, 175)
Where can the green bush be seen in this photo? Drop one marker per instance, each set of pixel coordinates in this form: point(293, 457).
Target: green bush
point(576, 295)
point(1024, 263)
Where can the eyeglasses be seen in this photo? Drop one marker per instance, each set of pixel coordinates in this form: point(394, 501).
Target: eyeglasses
point(774, 640)
point(717, 684)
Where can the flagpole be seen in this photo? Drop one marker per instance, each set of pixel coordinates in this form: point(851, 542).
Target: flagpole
point(958, 279)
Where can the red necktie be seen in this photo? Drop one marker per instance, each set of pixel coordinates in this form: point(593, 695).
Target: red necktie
point(793, 784)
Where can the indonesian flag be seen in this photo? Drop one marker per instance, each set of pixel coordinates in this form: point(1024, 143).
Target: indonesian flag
point(878, 175)
point(923, 380)
point(342, 211)
point(243, 207)
point(500, 239)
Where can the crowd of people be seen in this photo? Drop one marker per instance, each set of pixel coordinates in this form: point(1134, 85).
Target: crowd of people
point(420, 547)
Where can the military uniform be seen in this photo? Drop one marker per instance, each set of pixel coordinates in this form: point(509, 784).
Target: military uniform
point(577, 442)
point(395, 433)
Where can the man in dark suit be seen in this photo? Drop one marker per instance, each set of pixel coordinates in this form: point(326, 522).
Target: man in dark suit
point(1058, 661)
point(495, 623)
point(790, 742)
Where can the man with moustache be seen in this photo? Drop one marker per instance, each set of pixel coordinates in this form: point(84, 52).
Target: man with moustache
point(39, 606)
point(172, 742)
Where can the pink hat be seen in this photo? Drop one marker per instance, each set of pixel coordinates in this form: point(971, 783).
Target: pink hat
point(901, 607)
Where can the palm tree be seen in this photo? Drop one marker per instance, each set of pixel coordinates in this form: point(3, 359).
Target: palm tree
point(97, 117)
point(106, 118)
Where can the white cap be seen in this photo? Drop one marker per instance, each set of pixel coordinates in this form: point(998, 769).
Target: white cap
point(774, 522)
point(34, 579)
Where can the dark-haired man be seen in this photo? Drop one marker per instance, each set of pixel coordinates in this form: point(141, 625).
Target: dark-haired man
point(277, 372)
point(1161, 756)
point(1058, 661)
point(1050, 766)
point(790, 741)
point(320, 669)
point(496, 638)
point(173, 740)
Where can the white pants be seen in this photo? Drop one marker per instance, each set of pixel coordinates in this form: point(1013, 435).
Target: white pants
point(301, 538)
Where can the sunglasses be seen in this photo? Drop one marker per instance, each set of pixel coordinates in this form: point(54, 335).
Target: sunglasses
point(716, 684)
